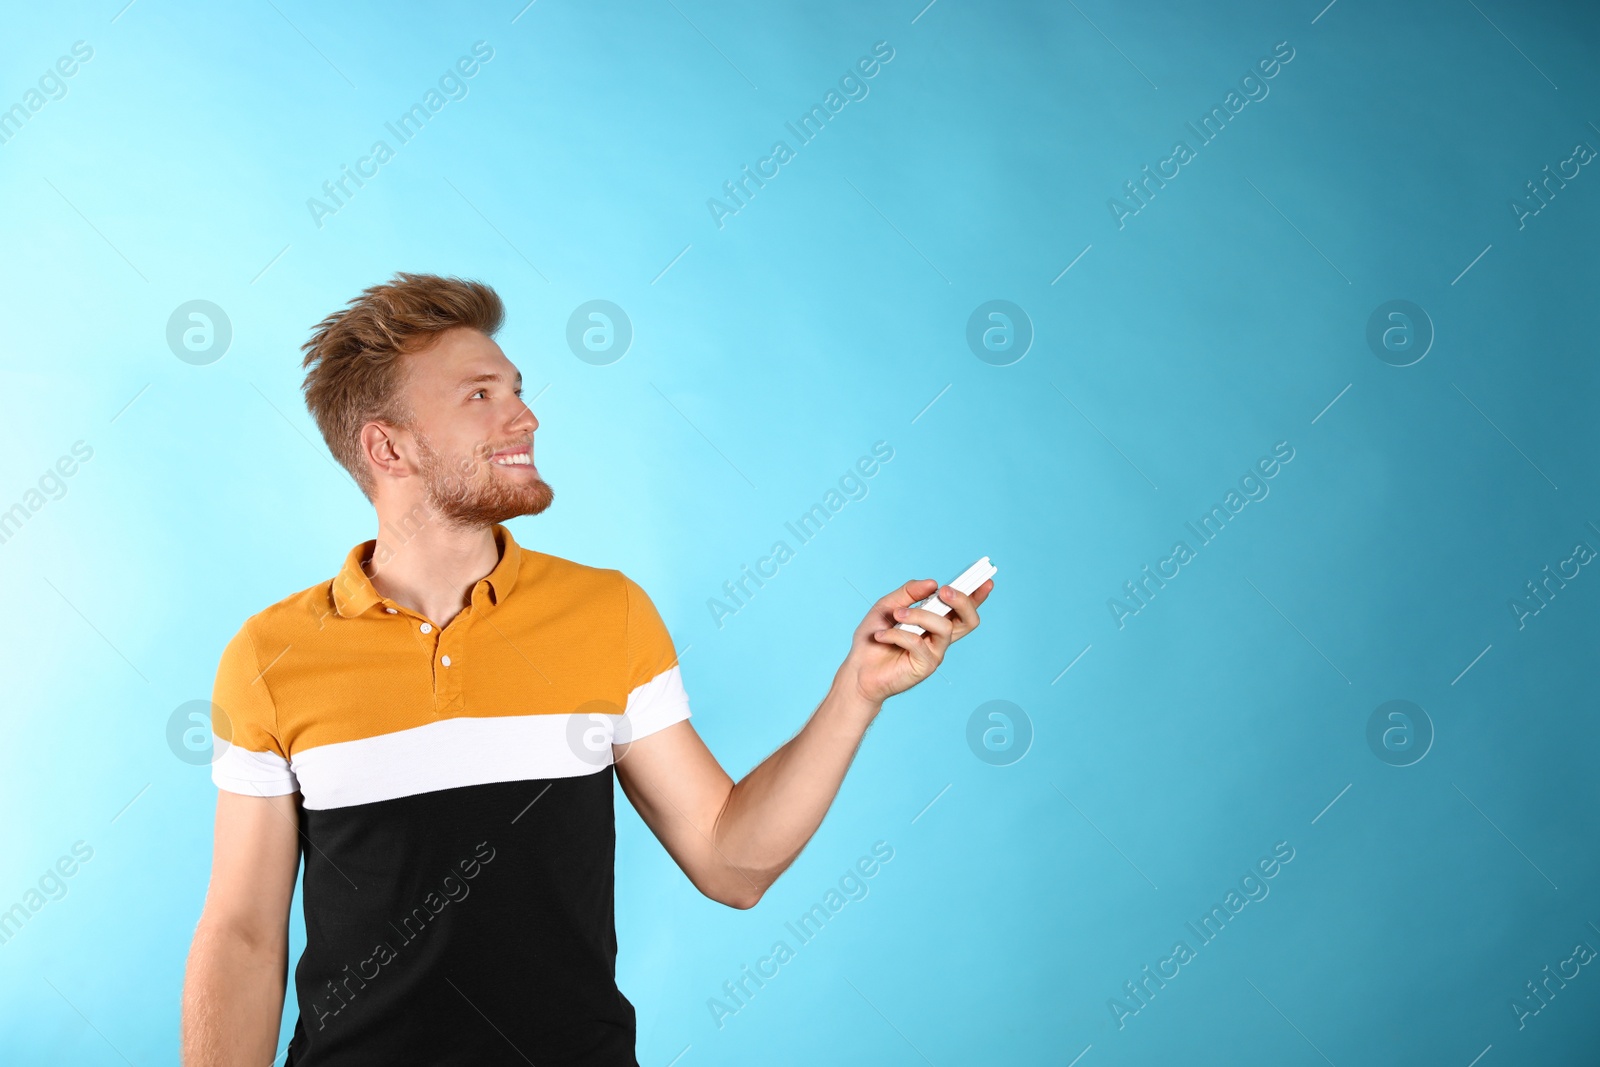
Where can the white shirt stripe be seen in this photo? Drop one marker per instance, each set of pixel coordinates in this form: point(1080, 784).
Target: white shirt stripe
point(454, 752)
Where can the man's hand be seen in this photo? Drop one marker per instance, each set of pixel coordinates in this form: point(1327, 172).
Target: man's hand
point(884, 661)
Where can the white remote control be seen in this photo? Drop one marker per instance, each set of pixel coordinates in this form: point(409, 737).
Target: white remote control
point(969, 581)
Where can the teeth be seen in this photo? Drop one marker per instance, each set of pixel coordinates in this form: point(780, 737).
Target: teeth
point(520, 459)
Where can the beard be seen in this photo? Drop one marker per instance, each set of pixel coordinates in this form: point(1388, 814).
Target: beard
point(472, 492)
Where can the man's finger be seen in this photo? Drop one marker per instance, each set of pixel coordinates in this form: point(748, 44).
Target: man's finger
point(942, 625)
point(913, 591)
point(964, 607)
point(904, 638)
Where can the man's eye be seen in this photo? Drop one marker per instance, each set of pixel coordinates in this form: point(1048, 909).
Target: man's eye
point(475, 392)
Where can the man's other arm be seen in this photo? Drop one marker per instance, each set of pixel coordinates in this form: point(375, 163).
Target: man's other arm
point(238, 964)
point(733, 840)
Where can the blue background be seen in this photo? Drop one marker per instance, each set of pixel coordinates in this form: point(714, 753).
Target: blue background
point(1229, 314)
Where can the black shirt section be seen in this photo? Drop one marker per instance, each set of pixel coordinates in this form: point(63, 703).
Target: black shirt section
point(470, 926)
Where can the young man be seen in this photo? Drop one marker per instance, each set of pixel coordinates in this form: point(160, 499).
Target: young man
point(435, 730)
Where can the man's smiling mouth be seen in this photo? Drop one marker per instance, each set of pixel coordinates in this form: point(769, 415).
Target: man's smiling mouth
point(521, 456)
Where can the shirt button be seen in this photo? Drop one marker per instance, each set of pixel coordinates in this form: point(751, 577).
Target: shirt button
point(445, 660)
point(391, 611)
point(427, 627)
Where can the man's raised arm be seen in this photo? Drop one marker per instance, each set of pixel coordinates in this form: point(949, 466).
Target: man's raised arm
point(238, 964)
point(734, 840)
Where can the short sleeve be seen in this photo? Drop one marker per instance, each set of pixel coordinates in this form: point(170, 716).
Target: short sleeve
point(248, 757)
point(656, 698)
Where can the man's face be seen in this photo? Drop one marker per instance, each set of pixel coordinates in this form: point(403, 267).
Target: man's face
point(473, 434)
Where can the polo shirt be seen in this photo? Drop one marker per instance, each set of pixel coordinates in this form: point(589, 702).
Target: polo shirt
point(455, 794)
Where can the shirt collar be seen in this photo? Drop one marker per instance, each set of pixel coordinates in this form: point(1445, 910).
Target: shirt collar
point(353, 592)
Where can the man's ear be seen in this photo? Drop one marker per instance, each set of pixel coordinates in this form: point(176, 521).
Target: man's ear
point(384, 446)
